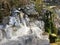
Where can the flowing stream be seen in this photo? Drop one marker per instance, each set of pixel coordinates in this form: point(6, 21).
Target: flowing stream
point(20, 31)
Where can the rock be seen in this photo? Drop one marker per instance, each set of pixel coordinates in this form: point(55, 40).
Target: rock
point(5, 20)
point(1, 35)
point(30, 10)
point(1, 27)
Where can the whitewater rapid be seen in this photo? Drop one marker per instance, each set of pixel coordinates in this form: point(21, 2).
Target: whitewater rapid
point(21, 29)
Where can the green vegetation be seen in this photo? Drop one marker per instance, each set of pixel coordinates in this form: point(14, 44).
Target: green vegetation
point(50, 25)
point(39, 5)
point(49, 22)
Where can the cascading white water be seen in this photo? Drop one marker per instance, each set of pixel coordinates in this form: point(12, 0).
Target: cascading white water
point(22, 32)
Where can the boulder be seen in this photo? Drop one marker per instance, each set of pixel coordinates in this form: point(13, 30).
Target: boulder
point(30, 9)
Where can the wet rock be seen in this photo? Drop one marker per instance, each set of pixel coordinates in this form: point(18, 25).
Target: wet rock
point(0, 35)
point(30, 9)
point(1, 27)
point(5, 20)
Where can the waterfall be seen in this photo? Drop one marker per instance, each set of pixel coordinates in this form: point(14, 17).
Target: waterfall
point(22, 30)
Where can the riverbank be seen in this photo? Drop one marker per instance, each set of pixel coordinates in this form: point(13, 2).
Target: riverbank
point(58, 43)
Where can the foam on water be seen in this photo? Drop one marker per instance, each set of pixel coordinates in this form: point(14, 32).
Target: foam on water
point(21, 29)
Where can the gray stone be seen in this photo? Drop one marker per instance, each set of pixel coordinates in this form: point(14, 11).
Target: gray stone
point(30, 9)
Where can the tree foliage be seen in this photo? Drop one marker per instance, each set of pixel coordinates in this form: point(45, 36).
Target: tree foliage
point(49, 22)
